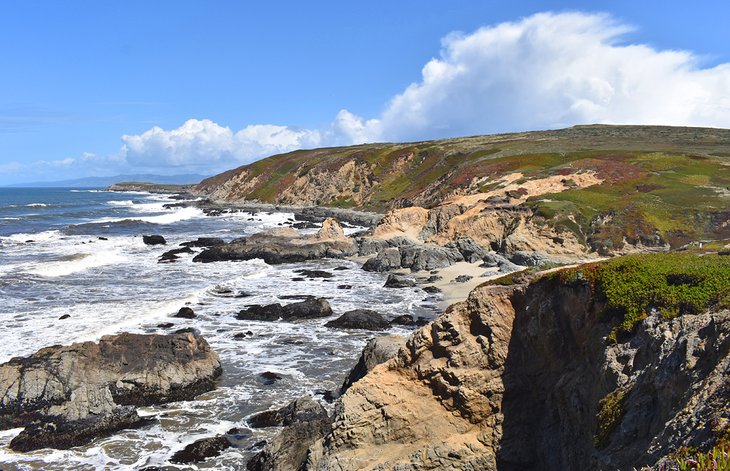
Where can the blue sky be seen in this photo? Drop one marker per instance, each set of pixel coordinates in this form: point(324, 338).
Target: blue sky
point(102, 88)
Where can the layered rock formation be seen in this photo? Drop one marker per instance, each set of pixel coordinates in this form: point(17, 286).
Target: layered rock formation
point(68, 395)
point(522, 377)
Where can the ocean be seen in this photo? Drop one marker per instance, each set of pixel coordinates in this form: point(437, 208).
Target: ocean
point(79, 252)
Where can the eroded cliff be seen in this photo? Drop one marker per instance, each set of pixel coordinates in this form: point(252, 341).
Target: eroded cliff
point(526, 377)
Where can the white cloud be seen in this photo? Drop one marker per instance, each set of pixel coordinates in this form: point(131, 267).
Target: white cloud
point(548, 71)
point(200, 143)
point(544, 71)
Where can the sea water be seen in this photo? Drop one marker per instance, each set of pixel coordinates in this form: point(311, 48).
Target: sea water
point(79, 252)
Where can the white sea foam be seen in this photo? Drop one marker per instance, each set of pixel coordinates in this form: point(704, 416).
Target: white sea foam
point(119, 203)
point(76, 263)
point(45, 236)
point(178, 215)
point(37, 205)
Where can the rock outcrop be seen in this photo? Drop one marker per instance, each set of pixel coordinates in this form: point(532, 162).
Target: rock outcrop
point(523, 377)
point(69, 395)
point(283, 246)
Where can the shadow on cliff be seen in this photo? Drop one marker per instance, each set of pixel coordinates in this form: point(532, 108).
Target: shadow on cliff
point(559, 367)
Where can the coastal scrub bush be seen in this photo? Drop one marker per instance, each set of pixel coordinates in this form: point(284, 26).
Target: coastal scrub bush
point(671, 284)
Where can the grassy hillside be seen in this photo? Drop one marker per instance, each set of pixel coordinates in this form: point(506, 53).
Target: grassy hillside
point(658, 182)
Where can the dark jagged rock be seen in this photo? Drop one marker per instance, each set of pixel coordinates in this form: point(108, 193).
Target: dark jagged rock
point(377, 351)
point(62, 434)
point(270, 312)
point(269, 377)
point(68, 395)
point(404, 319)
point(165, 325)
point(201, 449)
point(470, 250)
point(344, 286)
point(65, 316)
point(398, 281)
point(314, 273)
point(462, 278)
point(309, 308)
point(153, 240)
point(529, 259)
point(360, 319)
point(172, 255)
point(386, 260)
point(304, 409)
point(204, 242)
point(185, 313)
point(284, 246)
point(431, 289)
point(428, 257)
point(289, 449)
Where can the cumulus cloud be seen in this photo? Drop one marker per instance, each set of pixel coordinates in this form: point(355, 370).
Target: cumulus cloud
point(545, 71)
point(200, 143)
point(548, 71)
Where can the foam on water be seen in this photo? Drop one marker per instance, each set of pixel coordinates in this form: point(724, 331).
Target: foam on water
point(134, 293)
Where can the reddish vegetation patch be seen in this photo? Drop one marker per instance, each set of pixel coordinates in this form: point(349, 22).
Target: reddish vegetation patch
point(612, 168)
point(465, 176)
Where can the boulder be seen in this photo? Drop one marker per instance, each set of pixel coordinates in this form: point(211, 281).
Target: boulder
point(172, 255)
point(304, 409)
point(185, 313)
point(201, 449)
point(470, 250)
point(399, 281)
point(309, 308)
point(360, 319)
point(270, 312)
point(153, 240)
point(462, 278)
point(386, 260)
point(68, 395)
point(428, 257)
point(528, 259)
point(314, 273)
point(204, 242)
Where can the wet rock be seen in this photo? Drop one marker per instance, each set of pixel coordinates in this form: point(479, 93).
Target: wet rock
point(185, 313)
point(404, 319)
point(270, 312)
point(341, 268)
point(344, 286)
point(398, 281)
point(153, 240)
point(165, 325)
point(304, 409)
point(172, 255)
point(68, 395)
point(434, 278)
point(283, 245)
point(204, 242)
point(307, 309)
point(432, 289)
point(201, 449)
point(269, 377)
point(360, 319)
point(290, 448)
point(314, 273)
point(65, 316)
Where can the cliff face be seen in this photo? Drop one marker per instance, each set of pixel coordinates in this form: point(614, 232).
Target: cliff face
point(605, 189)
point(521, 378)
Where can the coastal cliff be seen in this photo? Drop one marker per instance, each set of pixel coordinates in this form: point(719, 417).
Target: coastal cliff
point(588, 189)
point(531, 375)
